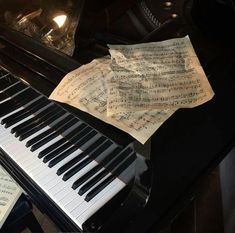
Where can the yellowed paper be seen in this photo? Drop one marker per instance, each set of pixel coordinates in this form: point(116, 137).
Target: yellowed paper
point(85, 88)
point(156, 75)
point(9, 194)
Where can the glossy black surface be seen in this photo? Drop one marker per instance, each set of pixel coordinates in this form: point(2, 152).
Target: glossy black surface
point(185, 148)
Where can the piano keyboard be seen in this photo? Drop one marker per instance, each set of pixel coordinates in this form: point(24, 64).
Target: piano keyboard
point(77, 167)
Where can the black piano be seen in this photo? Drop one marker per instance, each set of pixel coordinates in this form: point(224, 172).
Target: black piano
point(87, 175)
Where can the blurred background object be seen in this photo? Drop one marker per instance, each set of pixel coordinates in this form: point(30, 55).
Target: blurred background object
point(52, 22)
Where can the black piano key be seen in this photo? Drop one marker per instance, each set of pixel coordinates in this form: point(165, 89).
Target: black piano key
point(25, 109)
point(91, 183)
point(61, 146)
point(37, 120)
point(99, 188)
point(111, 156)
point(100, 149)
point(91, 157)
point(117, 171)
point(64, 143)
point(52, 147)
point(49, 131)
point(109, 168)
point(42, 125)
point(52, 136)
point(26, 96)
point(101, 175)
point(86, 176)
point(8, 107)
point(15, 89)
point(3, 96)
point(76, 168)
point(76, 147)
point(6, 82)
point(55, 158)
point(22, 114)
point(32, 120)
point(69, 164)
point(17, 101)
point(55, 153)
point(3, 73)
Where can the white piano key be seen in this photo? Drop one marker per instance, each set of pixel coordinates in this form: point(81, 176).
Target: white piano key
point(54, 169)
point(59, 191)
point(106, 193)
point(97, 202)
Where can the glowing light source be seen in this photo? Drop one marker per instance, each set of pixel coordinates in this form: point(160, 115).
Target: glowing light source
point(60, 20)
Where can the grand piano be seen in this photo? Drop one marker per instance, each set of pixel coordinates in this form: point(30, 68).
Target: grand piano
point(87, 175)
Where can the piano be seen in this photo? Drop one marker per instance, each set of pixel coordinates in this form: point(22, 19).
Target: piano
point(89, 176)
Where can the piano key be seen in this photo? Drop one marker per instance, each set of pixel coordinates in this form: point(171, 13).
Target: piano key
point(41, 125)
point(72, 123)
point(26, 111)
point(74, 199)
point(17, 101)
point(15, 89)
point(3, 73)
point(70, 163)
point(41, 113)
point(81, 130)
point(30, 104)
point(87, 176)
point(110, 179)
point(82, 141)
point(98, 201)
point(71, 156)
point(64, 144)
point(58, 125)
point(92, 182)
point(108, 158)
point(59, 195)
point(79, 212)
point(42, 116)
point(7, 81)
point(111, 166)
point(57, 180)
point(3, 97)
point(75, 147)
point(99, 150)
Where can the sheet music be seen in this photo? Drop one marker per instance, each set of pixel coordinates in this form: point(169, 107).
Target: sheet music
point(85, 88)
point(9, 194)
point(156, 75)
point(140, 87)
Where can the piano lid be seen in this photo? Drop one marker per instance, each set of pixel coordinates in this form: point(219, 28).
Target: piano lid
point(52, 22)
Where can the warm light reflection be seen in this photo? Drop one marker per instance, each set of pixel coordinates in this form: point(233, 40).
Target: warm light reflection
point(60, 20)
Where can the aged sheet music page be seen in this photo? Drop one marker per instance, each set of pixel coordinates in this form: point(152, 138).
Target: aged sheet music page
point(85, 88)
point(156, 75)
point(140, 87)
point(9, 194)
